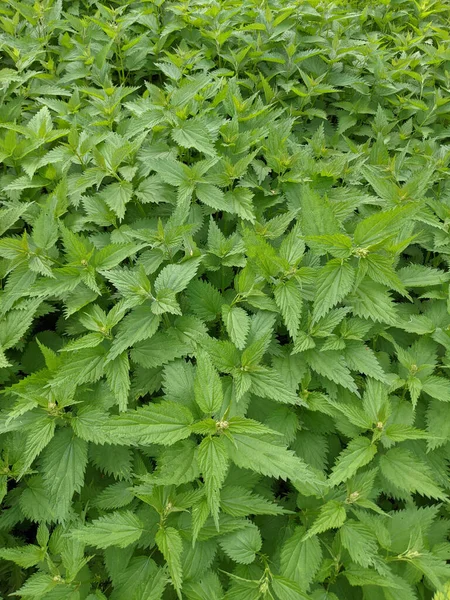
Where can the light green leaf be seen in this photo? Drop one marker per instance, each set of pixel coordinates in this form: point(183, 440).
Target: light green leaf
point(37, 585)
point(332, 515)
point(24, 556)
point(286, 589)
point(301, 558)
point(164, 423)
point(334, 282)
point(240, 502)
point(267, 383)
point(140, 324)
point(381, 225)
point(237, 323)
point(64, 462)
point(118, 378)
point(194, 134)
point(360, 542)
point(359, 452)
point(437, 387)
point(116, 529)
point(117, 196)
point(330, 364)
point(289, 301)
point(207, 386)
point(140, 580)
point(177, 464)
point(409, 473)
point(176, 277)
point(361, 358)
point(212, 196)
point(213, 463)
point(372, 301)
point(422, 276)
point(36, 440)
point(169, 542)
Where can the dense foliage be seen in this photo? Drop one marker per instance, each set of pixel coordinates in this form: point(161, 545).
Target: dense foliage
point(225, 313)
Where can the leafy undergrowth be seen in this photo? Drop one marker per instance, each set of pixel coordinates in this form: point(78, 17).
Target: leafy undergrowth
point(224, 315)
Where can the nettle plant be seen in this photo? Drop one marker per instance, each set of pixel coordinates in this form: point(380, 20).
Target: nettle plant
point(224, 314)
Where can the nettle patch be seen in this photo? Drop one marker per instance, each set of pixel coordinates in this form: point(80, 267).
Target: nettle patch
point(224, 313)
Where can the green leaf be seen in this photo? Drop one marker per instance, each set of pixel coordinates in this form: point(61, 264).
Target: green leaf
point(242, 545)
point(249, 452)
point(437, 387)
point(205, 300)
point(212, 196)
point(438, 423)
point(301, 558)
point(338, 244)
point(267, 383)
point(359, 452)
point(117, 196)
point(118, 378)
point(289, 300)
point(16, 322)
point(213, 463)
point(317, 215)
point(422, 276)
point(334, 282)
point(237, 323)
point(239, 202)
point(331, 365)
point(285, 589)
point(176, 277)
point(164, 423)
point(332, 515)
point(36, 440)
point(207, 386)
point(166, 302)
point(193, 134)
point(113, 254)
point(169, 542)
point(64, 462)
point(408, 473)
point(37, 586)
point(372, 301)
point(159, 350)
point(177, 464)
point(141, 579)
point(361, 358)
point(24, 556)
point(359, 541)
point(115, 529)
point(359, 576)
point(207, 588)
point(380, 226)
point(240, 502)
point(397, 432)
point(117, 495)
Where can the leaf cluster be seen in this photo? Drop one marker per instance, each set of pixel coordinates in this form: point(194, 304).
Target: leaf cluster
point(224, 303)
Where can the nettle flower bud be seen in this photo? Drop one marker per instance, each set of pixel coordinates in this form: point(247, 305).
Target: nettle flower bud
point(353, 497)
point(412, 554)
point(221, 425)
point(361, 252)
